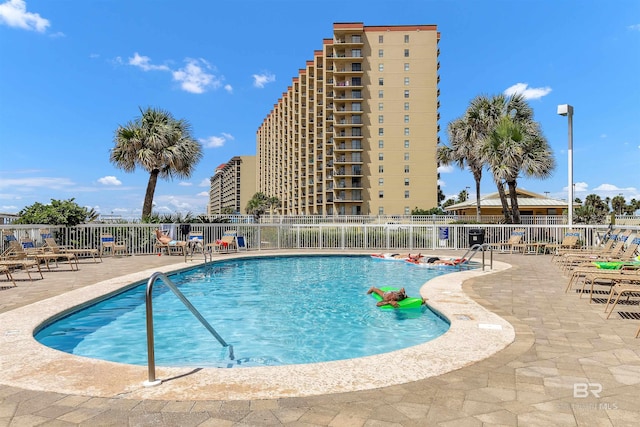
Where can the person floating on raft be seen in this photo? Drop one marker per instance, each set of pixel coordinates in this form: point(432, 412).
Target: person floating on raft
point(396, 298)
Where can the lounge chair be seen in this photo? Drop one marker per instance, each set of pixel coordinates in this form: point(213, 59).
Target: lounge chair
point(53, 246)
point(618, 253)
point(629, 286)
point(7, 271)
point(225, 243)
point(15, 257)
point(164, 241)
point(613, 240)
point(109, 245)
point(513, 242)
point(195, 241)
point(569, 241)
point(20, 253)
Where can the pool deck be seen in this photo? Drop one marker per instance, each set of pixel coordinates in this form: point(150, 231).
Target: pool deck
point(563, 352)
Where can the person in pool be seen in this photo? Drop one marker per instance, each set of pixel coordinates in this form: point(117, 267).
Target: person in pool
point(388, 297)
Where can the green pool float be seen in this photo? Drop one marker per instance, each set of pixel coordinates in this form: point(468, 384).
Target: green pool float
point(409, 302)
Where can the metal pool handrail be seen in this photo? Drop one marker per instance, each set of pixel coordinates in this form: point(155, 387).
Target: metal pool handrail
point(150, 342)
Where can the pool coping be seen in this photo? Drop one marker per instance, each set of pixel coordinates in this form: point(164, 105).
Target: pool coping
point(475, 334)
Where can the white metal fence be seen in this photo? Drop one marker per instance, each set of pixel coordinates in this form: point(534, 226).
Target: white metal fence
point(140, 238)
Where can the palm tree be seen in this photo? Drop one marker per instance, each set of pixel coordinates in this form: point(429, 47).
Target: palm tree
point(158, 143)
point(465, 135)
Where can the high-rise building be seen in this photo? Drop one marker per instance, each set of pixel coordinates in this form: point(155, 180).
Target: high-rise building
point(356, 132)
point(232, 185)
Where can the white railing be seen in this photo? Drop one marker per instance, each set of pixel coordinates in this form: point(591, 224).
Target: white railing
point(140, 238)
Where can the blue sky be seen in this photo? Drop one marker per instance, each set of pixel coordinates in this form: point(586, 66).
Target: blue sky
point(71, 71)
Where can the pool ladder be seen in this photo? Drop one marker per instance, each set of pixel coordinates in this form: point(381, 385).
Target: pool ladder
point(474, 250)
point(152, 381)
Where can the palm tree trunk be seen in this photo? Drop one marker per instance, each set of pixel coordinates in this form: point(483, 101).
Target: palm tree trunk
point(513, 195)
point(503, 200)
point(148, 195)
point(478, 211)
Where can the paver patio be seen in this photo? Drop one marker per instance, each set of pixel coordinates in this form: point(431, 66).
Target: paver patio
point(565, 353)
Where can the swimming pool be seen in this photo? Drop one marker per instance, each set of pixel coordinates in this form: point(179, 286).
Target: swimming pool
point(274, 311)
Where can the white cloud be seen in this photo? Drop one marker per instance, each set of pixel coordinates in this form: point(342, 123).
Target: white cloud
point(228, 88)
point(193, 77)
point(185, 184)
point(216, 141)
point(635, 27)
point(445, 169)
point(259, 80)
point(526, 91)
point(205, 183)
point(203, 194)
point(442, 183)
point(14, 14)
point(109, 180)
point(143, 62)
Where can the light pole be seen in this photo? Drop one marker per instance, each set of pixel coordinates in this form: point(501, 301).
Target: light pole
point(567, 110)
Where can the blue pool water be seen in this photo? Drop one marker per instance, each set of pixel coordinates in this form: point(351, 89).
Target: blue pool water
point(272, 310)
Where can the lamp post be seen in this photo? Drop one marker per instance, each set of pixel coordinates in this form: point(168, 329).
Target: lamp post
point(567, 110)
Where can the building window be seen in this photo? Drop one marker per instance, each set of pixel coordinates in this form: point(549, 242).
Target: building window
point(406, 81)
point(406, 182)
point(380, 169)
point(406, 157)
point(380, 143)
point(380, 106)
point(380, 94)
point(407, 211)
point(380, 39)
point(380, 119)
point(406, 143)
point(380, 156)
point(381, 67)
point(380, 182)
point(356, 66)
point(406, 38)
point(406, 168)
point(406, 194)
point(406, 93)
point(406, 131)
point(406, 118)
point(406, 66)
point(380, 194)
point(380, 81)
point(380, 53)
point(381, 210)
point(356, 53)
point(406, 106)
point(406, 53)
point(380, 131)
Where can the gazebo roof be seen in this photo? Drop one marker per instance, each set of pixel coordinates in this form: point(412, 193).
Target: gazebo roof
point(526, 199)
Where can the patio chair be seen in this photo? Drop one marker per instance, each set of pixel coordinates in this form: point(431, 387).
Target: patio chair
point(513, 242)
point(7, 271)
point(614, 239)
point(195, 242)
point(617, 253)
point(569, 241)
point(16, 257)
point(53, 246)
point(629, 287)
point(164, 241)
point(225, 243)
point(109, 245)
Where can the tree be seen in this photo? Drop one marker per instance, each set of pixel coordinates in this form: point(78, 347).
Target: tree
point(433, 211)
point(618, 205)
point(463, 196)
point(159, 144)
point(259, 204)
point(593, 211)
point(515, 148)
point(465, 134)
point(59, 212)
